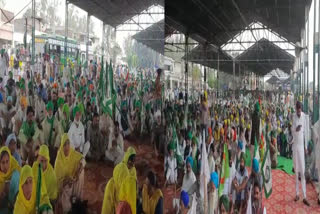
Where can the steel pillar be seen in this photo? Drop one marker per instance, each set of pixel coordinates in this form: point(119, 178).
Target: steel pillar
point(66, 35)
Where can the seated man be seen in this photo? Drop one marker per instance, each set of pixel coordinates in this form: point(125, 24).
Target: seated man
point(96, 138)
point(171, 166)
point(50, 130)
point(115, 149)
point(29, 137)
point(257, 204)
point(189, 179)
point(239, 184)
point(6, 113)
point(76, 134)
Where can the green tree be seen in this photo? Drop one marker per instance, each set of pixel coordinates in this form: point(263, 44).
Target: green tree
point(212, 80)
point(196, 74)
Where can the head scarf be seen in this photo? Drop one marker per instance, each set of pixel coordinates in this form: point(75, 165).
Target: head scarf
point(10, 138)
point(128, 192)
point(48, 175)
point(171, 146)
point(184, 198)
point(13, 166)
point(50, 106)
point(75, 110)
point(65, 166)
point(109, 201)
point(214, 178)
point(60, 101)
point(190, 161)
point(189, 135)
point(130, 151)
point(23, 101)
point(23, 205)
point(65, 109)
point(255, 165)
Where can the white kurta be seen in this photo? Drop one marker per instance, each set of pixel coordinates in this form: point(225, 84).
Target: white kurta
point(76, 137)
point(298, 148)
point(188, 181)
point(298, 142)
point(171, 171)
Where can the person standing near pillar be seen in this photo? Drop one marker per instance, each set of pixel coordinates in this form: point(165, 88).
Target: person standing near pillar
point(299, 149)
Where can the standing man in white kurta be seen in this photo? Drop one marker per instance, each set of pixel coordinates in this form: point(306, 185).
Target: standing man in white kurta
point(299, 149)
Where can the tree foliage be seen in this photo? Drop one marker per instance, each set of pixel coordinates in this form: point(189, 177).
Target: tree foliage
point(212, 80)
point(138, 55)
point(196, 74)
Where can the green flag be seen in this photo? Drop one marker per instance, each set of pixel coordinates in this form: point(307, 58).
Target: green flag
point(225, 169)
point(38, 191)
point(266, 173)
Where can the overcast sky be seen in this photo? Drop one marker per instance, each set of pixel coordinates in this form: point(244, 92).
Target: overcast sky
point(16, 5)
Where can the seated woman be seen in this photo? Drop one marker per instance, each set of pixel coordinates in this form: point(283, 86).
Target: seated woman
point(68, 167)
point(9, 180)
point(128, 196)
point(48, 174)
point(109, 198)
point(152, 198)
point(27, 196)
point(120, 172)
point(11, 143)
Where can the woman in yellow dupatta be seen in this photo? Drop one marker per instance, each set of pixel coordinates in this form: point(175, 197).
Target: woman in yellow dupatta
point(9, 179)
point(120, 172)
point(69, 167)
point(123, 169)
point(152, 198)
point(109, 198)
point(49, 175)
point(26, 199)
point(128, 196)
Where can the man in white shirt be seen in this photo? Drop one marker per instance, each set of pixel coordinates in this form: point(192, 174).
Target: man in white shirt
point(189, 179)
point(299, 149)
point(76, 134)
point(115, 150)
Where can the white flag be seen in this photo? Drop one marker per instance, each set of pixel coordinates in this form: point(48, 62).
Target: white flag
point(249, 206)
point(266, 174)
point(205, 171)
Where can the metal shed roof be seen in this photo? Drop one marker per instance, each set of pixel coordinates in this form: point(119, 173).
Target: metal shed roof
point(219, 21)
point(113, 12)
point(153, 37)
point(209, 57)
point(264, 56)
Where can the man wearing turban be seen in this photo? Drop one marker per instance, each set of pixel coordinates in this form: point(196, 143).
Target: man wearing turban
point(50, 131)
point(189, 179)
point(76, 133)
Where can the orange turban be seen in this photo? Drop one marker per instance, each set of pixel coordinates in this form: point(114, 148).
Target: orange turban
point(23, 101)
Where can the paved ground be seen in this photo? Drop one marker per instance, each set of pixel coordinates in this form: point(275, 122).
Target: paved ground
point(281, 200)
